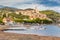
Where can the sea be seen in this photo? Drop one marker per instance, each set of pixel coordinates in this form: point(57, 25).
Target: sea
point(41, 30)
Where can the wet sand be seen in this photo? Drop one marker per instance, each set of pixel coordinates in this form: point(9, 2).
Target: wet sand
point(13, 36)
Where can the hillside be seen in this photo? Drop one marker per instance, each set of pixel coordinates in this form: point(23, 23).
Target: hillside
point(4, 11)
point(55, 16)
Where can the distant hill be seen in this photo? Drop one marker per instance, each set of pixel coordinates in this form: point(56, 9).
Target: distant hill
point(2, 6)
point(8, 9)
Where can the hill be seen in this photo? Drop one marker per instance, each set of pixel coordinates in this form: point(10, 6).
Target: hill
point(55, 16)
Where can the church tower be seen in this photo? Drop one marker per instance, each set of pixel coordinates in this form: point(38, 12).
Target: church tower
point(36, 9)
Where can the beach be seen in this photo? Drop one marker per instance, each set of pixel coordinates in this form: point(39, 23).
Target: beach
point(13, 36)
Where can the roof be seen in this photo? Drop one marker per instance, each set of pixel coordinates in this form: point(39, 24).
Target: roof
point(29, 9)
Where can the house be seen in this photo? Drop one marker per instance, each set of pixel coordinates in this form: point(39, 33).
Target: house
point(7, 20)
point(32, 13)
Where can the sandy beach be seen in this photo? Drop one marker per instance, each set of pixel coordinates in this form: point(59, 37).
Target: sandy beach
point(13, 36)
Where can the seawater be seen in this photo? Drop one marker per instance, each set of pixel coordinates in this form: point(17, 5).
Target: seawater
point(51, 30)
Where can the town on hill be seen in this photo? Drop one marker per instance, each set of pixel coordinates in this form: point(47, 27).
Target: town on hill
point(8, 14)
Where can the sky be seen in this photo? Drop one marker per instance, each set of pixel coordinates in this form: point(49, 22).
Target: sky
point(40, 4)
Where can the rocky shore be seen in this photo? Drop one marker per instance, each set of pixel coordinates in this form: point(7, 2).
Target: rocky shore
point(13, 36)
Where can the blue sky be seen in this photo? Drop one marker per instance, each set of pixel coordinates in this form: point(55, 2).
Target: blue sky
point(40, 4)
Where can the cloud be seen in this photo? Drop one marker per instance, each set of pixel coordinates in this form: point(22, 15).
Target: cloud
point(58, 1)
point(39, 7)
point(43, 7)
point(41, 4)
point(49, 2)
point(12, 2)
point(4, 1)
point(44, 2)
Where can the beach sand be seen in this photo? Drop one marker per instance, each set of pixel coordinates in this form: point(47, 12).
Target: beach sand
point(13, 36)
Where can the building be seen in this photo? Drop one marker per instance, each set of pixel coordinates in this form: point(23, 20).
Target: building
point(32, 13)
point(7, 20)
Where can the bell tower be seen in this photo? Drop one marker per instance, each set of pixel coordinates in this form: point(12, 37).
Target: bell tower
point(36, 9)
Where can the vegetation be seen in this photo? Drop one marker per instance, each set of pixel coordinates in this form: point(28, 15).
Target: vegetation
point(55, 16)
point(20, 18)
point(37, 20)
point(1, 22)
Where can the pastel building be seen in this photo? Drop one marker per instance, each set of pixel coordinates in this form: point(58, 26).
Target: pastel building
point(32, 13)
point(7, 20)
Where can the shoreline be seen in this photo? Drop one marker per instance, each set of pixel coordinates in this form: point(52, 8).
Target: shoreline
point(14, 36)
